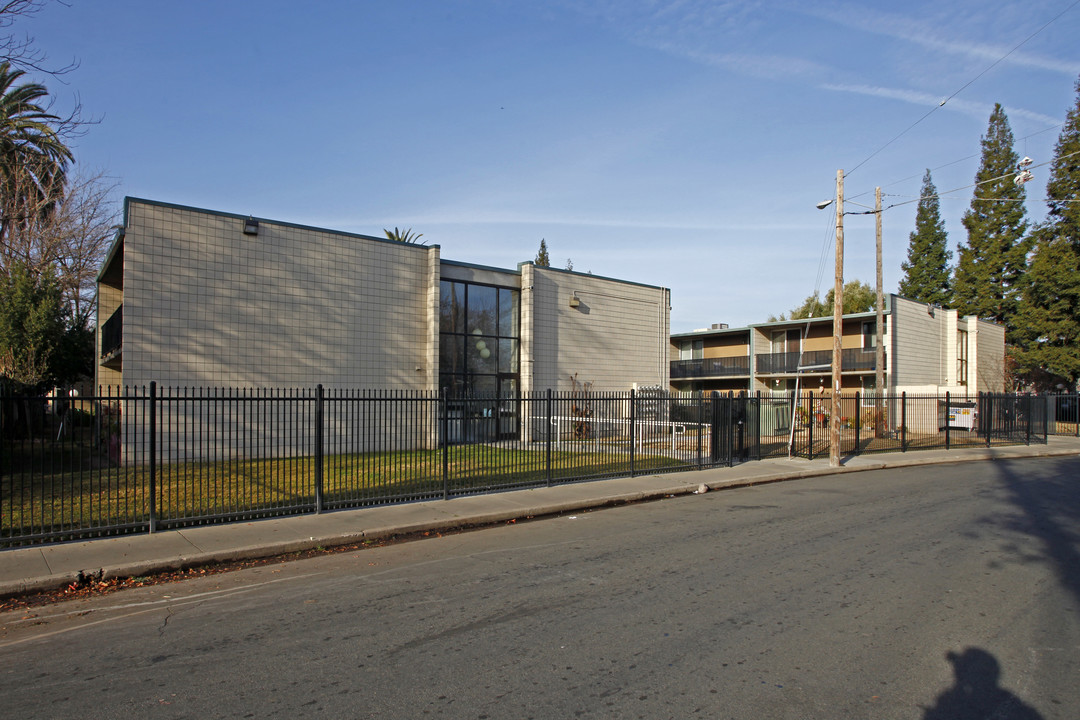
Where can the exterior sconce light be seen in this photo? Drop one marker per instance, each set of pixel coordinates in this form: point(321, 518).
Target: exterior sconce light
point(251, 226)
point(574, 300)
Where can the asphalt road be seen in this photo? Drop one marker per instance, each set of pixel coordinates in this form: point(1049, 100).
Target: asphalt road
point(936, 592)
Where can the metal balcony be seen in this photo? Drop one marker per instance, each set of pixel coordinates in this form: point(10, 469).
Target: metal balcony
point(710, 367)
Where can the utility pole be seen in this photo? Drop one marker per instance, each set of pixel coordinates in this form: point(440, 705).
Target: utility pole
point(838, 323)
point(879, 332)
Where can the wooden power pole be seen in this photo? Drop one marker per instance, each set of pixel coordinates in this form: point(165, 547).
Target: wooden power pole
point(879, 332)
point(838, 323)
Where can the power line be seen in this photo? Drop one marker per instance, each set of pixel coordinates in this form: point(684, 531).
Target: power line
point(965, 187)
point(826, 251)
point(953, 162)
point(964, 87)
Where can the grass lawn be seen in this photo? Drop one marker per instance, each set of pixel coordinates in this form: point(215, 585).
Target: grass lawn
point(56, 493)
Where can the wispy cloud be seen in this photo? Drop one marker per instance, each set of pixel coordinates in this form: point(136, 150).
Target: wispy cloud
point(479, 217)
point(769, 67)
point(623, 223)
point(914, 97)
point(641, 18)
point(693, 29)
point(900, 27)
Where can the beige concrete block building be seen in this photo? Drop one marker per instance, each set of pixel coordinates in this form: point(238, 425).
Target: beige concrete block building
point(198, 298)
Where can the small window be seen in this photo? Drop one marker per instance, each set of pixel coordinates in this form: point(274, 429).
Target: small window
point(869, 335)
point(692, 350)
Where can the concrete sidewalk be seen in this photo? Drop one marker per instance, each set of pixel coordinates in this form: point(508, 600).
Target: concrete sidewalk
point(46, 567)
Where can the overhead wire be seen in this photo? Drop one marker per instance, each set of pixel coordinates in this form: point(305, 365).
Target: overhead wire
point(850, 198)
point(965, 187)
point(826, 251)
point(964, 87)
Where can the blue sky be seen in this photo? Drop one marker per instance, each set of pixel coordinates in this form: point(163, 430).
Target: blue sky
point(674, 143)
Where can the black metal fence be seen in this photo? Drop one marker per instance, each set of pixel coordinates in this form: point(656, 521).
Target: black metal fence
point(1063, 414)
point(872, 423)
point(144, 459)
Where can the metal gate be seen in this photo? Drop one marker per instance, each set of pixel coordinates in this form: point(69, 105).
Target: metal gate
point(735, 428)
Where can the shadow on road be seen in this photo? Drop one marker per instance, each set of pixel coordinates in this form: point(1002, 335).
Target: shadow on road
point(1048, 494)
point(975, 694)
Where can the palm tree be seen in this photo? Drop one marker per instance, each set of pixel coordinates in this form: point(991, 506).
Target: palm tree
point(33, 156)
point(406, 236)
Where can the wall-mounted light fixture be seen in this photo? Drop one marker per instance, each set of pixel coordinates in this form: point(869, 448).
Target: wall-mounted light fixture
point(251, 226)
point(574, 300)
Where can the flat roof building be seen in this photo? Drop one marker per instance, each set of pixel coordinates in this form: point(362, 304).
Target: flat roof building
point(198, 298)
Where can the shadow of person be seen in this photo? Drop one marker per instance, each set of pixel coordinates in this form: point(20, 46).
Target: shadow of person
point(975, 694)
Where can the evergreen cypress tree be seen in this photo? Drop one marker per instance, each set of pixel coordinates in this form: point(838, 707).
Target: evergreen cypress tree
point(926, 270)
point(992, 263)
point(542, 259)
point(1049, 317)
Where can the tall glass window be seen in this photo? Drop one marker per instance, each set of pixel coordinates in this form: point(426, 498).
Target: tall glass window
point(478, 338)
point(961, 357)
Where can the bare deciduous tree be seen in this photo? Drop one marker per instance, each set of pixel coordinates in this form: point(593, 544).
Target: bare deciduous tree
point(18, 49)
point(72, 238)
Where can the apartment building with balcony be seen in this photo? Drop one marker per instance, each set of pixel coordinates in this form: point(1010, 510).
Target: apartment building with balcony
point(927, 349)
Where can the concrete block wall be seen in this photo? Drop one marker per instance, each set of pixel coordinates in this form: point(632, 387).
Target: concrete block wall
point(207, 305)
point(618, 335)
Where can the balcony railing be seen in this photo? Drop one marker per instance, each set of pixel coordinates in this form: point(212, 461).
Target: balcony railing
point(710, 367)
point(851, 359)
point(112, 334)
